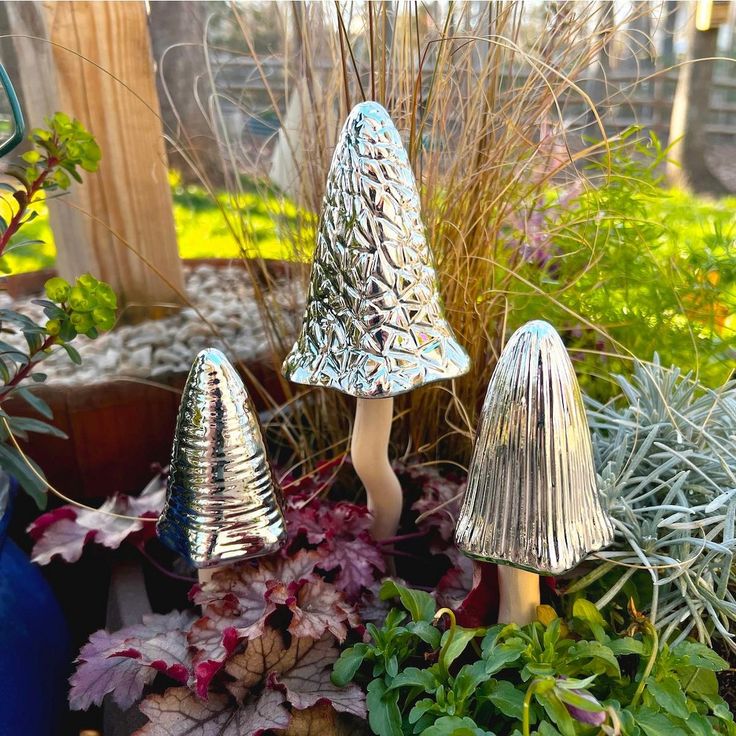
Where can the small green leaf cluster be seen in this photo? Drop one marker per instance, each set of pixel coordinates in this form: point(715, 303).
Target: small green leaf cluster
point(647, 267)
point(551, 677)
point(64, 146)
point(87, 308)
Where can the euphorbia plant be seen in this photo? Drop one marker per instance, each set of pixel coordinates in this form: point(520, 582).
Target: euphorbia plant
point(87, 307)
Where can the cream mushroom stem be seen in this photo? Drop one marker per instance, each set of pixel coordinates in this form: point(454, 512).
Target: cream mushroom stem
point(205, 574)
point(369, 452)
point(518, 592)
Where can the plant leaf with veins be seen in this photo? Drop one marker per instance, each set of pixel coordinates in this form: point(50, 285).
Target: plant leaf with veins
point(178, 711)
point(125, 662)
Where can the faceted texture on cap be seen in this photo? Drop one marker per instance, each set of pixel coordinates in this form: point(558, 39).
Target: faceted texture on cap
point(532, 500)
point(374, 324)
point(223, 502)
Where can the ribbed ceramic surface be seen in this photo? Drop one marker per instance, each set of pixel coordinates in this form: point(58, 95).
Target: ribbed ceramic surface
point(223, 502)
point(532, 500)
point(374, 324)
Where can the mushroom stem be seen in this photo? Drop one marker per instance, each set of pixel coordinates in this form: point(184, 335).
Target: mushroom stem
point(369, 451)
point(205, 574)
point(518, 595)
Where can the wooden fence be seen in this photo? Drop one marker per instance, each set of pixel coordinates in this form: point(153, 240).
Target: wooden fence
point(644, 99)
point(648, 103)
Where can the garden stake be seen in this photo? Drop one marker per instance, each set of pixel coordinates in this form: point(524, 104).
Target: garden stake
point(374, 325)
point(531, 504)
point(222, 504)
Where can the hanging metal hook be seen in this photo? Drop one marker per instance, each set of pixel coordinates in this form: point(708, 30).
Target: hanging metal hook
point(20, 124)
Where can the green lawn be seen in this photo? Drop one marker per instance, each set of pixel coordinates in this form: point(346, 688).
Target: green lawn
point(263, 223)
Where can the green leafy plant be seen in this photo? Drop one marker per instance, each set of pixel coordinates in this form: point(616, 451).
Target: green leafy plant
point(550, 677)
point(622, 254)
point(86, 307)
point(667, 464)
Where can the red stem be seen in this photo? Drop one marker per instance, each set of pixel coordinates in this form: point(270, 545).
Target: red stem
point(169, 573)
point(31, 191)
point(27, 368)
point(401, 538)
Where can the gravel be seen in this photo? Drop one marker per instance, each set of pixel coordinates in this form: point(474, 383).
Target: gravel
point(154, 349)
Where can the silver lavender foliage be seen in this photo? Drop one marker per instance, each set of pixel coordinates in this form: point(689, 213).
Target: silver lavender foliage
point(223, 501)
point(374, 325)
point(532, 500)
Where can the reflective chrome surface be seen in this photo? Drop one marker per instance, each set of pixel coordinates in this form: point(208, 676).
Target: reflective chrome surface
point(374, 324)
point(531, 499)
point(223, 502)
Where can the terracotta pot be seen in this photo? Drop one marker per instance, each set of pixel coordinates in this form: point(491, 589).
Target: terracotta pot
point(117, 430)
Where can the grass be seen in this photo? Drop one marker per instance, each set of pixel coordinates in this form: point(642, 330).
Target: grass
point(202, 229)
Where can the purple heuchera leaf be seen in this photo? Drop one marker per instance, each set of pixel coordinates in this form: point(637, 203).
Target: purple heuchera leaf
point(301, 671)
point(65, 531)
point(440, 499)
point(341, 532)
point(359, 561)
point(316, 607)
point(125, 662)
point(178, 711)
point(308, 682)
point(238, 600)
point(457, 581)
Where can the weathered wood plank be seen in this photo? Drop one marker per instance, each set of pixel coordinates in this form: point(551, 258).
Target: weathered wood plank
point(27, 22)
point(109, 85)
point(98, 67)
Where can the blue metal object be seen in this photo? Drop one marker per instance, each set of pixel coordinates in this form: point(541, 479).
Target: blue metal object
point(20, 123)
point(35, 650)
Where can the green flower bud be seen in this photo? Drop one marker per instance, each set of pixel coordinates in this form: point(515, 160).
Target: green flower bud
point(57, 289)
point(53, 327)
point(81, 300)
point(88, 282)
point(103, 318)
point(106, 296)
point(82, 321)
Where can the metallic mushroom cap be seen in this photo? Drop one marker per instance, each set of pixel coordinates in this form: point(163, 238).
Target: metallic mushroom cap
point(374, 324)
point(223, 502)
point(532, 500)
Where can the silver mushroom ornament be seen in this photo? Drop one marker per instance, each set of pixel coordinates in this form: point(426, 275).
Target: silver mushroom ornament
point(222, 503)
point(531, 503)
point(374, 325)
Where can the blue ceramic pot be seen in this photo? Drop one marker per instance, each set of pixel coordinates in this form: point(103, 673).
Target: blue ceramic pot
point(34, 640)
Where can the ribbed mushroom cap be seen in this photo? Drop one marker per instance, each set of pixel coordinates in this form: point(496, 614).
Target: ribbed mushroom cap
point(223, 501)
point(374, 324)
point(532, 500)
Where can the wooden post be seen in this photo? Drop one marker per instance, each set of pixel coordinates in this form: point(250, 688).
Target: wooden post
point(177, 28)
point(101, 59)
point(35, 77)
point(688, 131)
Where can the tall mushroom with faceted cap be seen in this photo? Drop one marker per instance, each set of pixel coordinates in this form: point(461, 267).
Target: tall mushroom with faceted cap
point(222, 504)
point(532, 504)
point(374, 325)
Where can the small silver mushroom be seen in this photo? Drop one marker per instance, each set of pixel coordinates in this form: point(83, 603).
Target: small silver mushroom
point(374, 325)
point(222, 503)
point(532, 503)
